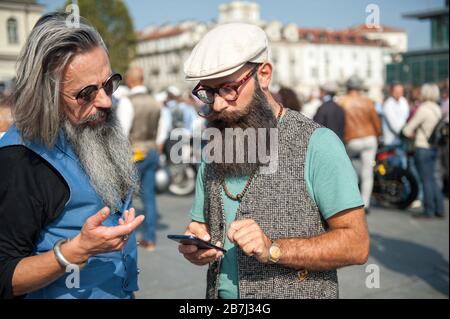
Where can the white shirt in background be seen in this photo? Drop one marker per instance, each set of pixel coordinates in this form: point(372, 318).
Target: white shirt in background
point(310, 109)
point(396, 113)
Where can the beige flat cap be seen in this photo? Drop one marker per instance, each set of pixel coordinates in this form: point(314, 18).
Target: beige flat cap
point(225, 49)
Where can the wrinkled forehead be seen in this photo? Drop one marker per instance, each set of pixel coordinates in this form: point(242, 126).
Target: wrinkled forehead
point(87, 68)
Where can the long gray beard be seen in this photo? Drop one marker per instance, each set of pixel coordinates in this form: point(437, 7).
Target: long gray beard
point(105, 155)
point(257, 114)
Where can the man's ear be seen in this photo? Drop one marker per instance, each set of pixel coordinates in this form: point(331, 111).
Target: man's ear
point(265, 76)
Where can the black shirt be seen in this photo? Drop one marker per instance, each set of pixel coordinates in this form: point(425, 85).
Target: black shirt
point(331, 116)
point(32, 194)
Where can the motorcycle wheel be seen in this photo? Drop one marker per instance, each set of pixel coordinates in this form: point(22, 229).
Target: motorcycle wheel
point(398, 188)
point(183, 179)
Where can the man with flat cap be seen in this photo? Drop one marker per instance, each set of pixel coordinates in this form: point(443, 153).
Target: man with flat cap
point(286, 231)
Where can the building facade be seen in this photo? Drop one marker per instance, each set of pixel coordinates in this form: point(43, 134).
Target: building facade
point(303, 58)
point(17, 18)
point(428, 65)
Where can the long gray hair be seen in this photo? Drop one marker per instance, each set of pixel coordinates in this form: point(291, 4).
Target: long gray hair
point(36, 100)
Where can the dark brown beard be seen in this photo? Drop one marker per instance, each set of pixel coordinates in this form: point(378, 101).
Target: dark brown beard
point(257, 114)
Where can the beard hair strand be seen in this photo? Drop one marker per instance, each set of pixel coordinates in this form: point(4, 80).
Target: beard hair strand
point(105, 155)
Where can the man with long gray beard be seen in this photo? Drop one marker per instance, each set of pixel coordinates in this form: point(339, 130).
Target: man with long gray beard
point(285, 230)
point(66, 225)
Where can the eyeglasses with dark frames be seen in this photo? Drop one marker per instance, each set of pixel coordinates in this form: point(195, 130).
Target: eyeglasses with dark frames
point(229, 92)
point(89, 93)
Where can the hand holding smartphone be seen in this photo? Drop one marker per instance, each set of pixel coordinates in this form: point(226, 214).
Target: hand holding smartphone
point(192, 240)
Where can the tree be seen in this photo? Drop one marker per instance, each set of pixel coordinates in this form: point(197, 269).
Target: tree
point(112, 20)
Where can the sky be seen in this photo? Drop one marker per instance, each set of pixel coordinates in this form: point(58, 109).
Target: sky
point(335, 14)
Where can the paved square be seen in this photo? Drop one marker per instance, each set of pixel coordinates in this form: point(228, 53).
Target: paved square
point(412, 257)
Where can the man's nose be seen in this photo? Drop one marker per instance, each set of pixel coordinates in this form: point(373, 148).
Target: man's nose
point(103, 100)
point(220, 104)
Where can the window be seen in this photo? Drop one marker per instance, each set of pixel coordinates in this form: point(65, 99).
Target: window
point(314, 73)
point(154, 73)
point(327, 65)
point(369, 67)
point(174, 70)
point(11, 26)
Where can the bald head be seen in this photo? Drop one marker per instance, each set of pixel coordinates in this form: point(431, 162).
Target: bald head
point(134, 76)
point(397, 91)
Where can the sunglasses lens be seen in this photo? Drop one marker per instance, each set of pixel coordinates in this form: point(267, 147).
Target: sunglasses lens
point(228, 93)
point(112, 84)
point(87, 95)
point(205, 111)
point(205, 96)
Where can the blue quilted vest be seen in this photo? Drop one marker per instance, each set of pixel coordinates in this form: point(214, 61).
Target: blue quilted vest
point(110, 275)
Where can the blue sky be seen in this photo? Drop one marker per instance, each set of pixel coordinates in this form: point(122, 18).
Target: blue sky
point(335, 14)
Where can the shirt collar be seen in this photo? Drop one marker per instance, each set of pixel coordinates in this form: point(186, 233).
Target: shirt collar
point(138, 89)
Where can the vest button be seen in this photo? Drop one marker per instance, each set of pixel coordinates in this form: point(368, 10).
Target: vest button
point(302, 275)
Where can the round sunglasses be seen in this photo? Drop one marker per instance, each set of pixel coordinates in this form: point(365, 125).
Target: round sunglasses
point(89, 93)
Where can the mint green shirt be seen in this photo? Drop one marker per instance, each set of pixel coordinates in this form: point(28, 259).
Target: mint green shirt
point(330, 181)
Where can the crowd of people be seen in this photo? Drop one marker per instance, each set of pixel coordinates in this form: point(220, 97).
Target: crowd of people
point(404, 120)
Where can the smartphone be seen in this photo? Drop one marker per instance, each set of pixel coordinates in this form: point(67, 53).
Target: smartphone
point(192, 240)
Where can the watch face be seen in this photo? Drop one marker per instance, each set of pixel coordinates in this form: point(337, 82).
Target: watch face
point(275, 252)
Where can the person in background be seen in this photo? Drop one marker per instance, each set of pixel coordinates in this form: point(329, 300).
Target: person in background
point(142, 120)
point(289, 99)
point(395, 115)
point(413, 100)
point(329, 113)
point(6, 119)
point(183, 114)
point(420, 128)
point(183, 120)
point(309, 109)
point(5, 116)
point(362, 130)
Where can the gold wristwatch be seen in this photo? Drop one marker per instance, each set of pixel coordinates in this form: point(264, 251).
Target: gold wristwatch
point(274, 253)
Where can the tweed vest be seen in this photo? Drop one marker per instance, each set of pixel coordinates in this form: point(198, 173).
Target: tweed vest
point(282, 207)
point(145, 122)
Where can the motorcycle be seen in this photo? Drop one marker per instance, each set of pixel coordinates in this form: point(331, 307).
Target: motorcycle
point(395, 186)
point(176, 178)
